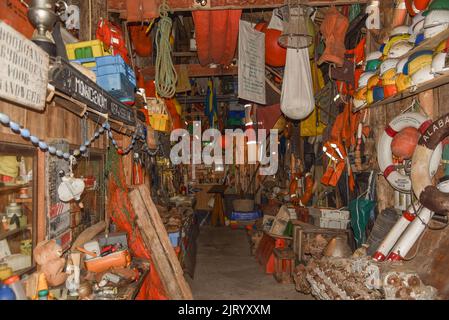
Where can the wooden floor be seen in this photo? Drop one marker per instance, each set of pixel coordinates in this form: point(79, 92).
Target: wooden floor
point(226, 270)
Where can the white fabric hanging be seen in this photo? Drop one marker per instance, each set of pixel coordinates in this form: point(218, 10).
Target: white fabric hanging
point(297, 99)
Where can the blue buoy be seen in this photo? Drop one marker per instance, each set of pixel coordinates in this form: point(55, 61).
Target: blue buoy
point(34, 139)
point(66, 155)
point(25, 133)
point(59, 153)
point(4, 119)
point(14, 126)
point(43, 146)
point(51, 150)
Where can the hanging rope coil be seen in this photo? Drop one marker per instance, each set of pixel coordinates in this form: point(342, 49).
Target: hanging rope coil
point(166, 76)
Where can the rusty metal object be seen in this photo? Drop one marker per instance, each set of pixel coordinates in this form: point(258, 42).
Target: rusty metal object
point(337, 248)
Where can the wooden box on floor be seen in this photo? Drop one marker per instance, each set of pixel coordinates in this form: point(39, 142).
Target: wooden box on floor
point(303, 233)
point(284, 263)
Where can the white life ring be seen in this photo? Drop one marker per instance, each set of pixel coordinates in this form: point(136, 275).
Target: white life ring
point(397, 180)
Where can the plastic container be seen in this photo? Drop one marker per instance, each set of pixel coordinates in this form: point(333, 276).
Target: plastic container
point(85, 49)
point(242, 216)
point(117, 85)
point(159, 121)
point(16, 285)
point(89, 63)
point(6, 293)
point(174, 238)
point(334, 223)
point(114, 64)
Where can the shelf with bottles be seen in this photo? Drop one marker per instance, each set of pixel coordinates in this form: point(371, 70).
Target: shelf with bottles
point(18, 208)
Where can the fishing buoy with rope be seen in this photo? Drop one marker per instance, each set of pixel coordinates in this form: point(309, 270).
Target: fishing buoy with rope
point(428, 194)
point(397, 180)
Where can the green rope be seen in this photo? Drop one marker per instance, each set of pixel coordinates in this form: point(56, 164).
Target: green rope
point(166, 76)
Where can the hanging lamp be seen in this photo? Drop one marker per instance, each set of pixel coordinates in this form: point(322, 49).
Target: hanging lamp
point(295, 34)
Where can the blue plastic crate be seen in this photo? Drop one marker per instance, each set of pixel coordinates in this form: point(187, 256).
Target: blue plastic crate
point(174, 238)
point(236, 114)
point(118, 86)
point(242, 216)
point(114, 64)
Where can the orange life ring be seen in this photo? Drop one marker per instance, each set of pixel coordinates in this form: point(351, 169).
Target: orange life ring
point(275, 55)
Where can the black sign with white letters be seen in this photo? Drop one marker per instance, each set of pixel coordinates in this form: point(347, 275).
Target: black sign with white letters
point(72, 82)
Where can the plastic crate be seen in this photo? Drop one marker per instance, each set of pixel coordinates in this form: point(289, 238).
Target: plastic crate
point(240, 216)
point(85, 49)
point(114, 64)
point(174, 238)
point(159, 121)
point(236, 114)
point(118, 86)
point(89, 63)
point(334, 223)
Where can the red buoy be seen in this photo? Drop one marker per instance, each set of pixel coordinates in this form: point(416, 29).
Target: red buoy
point(404, 143)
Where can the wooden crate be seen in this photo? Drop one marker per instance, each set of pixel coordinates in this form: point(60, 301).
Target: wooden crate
point(303, 233)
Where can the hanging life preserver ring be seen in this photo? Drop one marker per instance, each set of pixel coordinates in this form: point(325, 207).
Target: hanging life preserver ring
point(396, 179)
point(428, 194)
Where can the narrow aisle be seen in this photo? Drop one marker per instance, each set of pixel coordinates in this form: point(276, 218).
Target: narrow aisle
point(226, 270)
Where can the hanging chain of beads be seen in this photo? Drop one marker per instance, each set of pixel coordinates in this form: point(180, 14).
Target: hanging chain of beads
point(138, 135)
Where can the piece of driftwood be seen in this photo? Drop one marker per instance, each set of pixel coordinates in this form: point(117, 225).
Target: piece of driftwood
point(88, 234)
point(156, 239)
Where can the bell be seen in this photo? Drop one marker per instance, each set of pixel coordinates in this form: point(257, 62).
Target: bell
point(295, 34)
point(43, 17)
point(337, 248)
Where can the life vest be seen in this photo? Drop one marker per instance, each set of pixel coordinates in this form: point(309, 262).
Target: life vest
point(141, 40)
point(308, 189)
point(112, 37)
point(337, 164)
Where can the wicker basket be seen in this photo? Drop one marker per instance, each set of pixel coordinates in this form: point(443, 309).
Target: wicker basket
point(243, 205)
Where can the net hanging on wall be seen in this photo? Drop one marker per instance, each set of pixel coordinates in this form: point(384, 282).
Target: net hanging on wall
point(295, 34)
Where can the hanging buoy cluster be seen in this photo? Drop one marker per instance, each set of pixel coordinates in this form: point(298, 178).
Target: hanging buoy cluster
point(105, 127)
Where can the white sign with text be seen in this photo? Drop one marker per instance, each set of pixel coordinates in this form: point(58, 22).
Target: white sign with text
point(251, 63)
point(23, 69)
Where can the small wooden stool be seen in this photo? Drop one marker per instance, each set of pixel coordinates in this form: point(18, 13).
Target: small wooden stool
point(284, 263)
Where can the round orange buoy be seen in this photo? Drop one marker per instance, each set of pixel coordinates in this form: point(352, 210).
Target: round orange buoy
point(275, 55)
point(404, 143)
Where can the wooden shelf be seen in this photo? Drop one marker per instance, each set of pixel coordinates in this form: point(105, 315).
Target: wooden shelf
point(7, 234)
point(13, 188)
point(431, 84)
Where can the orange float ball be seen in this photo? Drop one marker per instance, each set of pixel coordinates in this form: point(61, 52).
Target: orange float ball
point(404, 143)
point(275, 55)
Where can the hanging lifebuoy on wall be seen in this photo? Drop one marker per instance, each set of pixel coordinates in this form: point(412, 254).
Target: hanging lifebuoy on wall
point(398, 180)
point(429, 195)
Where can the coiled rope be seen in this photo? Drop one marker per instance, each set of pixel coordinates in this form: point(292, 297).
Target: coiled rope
point(166, 76)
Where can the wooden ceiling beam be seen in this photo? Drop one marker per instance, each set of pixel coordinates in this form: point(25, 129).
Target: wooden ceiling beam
point(119, 6)
point(194, 71)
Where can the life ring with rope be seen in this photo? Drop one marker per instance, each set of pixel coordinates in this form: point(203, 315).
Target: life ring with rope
point(427, 193)
point(397, 180)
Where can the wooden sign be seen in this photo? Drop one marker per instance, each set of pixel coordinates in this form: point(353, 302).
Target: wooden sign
point(23, 69)
point(72, 82)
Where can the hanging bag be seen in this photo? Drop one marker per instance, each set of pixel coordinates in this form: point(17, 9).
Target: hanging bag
point(297, 100)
